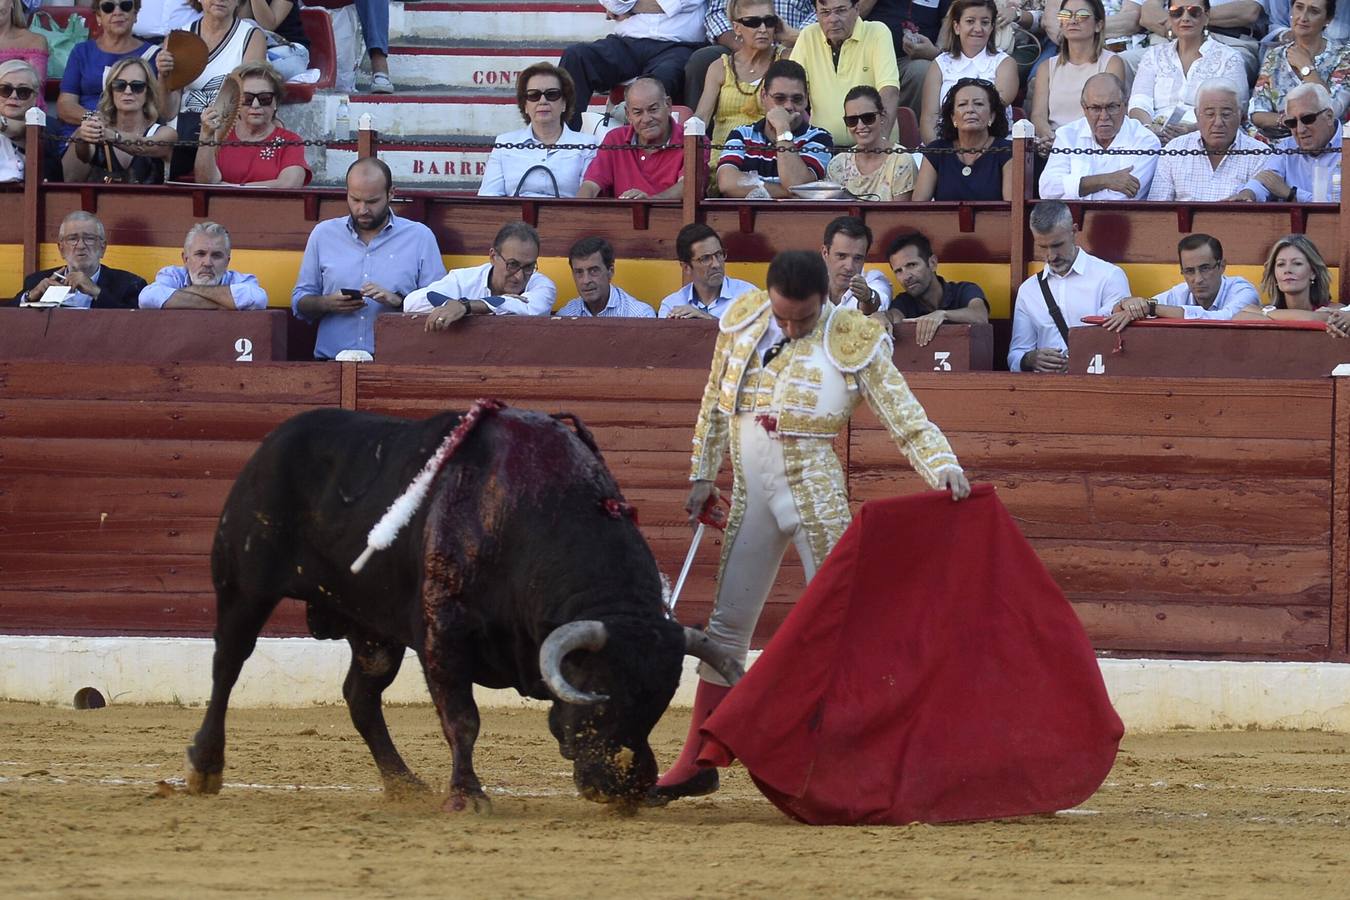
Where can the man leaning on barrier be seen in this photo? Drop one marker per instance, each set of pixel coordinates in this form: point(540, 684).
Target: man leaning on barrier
point(928, 299)
point(1215, 174)
point(1205, 293)
point(362, 265)
point(1312, 176)
point(708, 289)
point(1073, 284)
point(508, 284)
point(844, 247)
point(1124, 172)
point(82, 243)
point(205, 279)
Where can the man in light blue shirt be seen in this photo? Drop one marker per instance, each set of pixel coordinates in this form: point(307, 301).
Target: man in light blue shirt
point(205, 279)
point(358, 267)
point(592, 263)
point(703, 262)
point(1313, 126)
point(1206, 292)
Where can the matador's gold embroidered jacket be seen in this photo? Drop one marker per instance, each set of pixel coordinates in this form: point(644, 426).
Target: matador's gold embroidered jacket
point(812, 388)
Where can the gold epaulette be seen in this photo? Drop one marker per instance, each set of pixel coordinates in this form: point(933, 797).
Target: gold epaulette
point(743, 310)
point(852, 339)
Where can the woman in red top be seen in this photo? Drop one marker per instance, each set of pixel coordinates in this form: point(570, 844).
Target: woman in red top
point(265, 161)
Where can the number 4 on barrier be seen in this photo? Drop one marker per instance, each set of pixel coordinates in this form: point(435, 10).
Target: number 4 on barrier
point(244, 347)
point(940, 361)
point(1097, 366)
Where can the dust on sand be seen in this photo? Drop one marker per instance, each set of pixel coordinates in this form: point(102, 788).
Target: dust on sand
point(1226, 814)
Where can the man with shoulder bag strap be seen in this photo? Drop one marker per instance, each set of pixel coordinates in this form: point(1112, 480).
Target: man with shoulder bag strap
point(1074, 284)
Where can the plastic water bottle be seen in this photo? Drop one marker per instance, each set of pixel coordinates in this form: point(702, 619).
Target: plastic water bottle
point(342, 130)
point(1336, 184)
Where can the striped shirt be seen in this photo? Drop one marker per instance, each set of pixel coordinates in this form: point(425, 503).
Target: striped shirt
point(749, 149)
point(621, 304)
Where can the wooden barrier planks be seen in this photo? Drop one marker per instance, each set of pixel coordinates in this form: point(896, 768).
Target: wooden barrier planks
point(1167, 527)
point(1257, 350)
point(112, 477)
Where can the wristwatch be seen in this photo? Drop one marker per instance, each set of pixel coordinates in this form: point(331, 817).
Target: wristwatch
point(468, 307)
point(1153, 309)
point(1305, 71)
point(786, 136)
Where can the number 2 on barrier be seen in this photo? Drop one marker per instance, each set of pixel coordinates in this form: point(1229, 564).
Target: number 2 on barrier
point(244, 347)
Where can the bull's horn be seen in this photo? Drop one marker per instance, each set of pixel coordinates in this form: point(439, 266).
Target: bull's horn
point(697, 644)
point(587, 634)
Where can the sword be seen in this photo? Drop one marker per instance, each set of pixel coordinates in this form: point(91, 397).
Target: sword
point(709, 515)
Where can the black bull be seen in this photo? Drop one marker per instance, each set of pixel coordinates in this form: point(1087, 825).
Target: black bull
point(522, 553)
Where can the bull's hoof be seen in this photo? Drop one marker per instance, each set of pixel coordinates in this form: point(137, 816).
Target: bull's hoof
point(460, 801)
point(203, 782)
point(705, 782)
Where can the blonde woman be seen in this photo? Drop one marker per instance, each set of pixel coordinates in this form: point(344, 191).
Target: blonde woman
point(260, 153)
point(730, 96)
point(1056, 97)
point(122, 140)
point(1296, 285)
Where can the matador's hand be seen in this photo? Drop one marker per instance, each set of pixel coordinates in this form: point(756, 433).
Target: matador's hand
point(701, 493)
point(954, 480)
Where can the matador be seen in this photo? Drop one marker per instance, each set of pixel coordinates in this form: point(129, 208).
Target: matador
point(787, 372)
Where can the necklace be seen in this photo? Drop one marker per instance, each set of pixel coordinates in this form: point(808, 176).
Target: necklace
point(978, 151)
point(736, 78)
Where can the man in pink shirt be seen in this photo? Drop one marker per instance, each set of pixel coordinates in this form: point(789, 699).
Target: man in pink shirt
point(637, 172)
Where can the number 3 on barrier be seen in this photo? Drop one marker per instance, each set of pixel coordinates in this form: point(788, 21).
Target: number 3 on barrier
point(940, 361)
point(244, 347)
point(1097, 366)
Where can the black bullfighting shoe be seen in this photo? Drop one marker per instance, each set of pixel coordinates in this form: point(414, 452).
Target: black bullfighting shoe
point(700, 785)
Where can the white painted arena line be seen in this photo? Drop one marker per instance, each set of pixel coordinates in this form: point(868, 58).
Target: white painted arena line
point(1150, 695)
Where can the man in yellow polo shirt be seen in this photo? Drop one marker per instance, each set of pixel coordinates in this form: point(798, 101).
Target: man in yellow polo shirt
point(840, 52)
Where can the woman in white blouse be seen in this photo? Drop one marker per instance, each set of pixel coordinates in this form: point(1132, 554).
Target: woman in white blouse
point(548, 167)
point(1163, 97)
point(967, 52)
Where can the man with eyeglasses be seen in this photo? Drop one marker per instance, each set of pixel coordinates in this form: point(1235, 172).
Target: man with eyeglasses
point(1126, 173)
point(1315, 174)
point(1206, 292)
point(508, 284)
point(363, 265)
point(769, 157)
point(643, 160)
point(82, 241)
point(1215, 174)
point(792, 16)
point(708, 290)
point(839, 53)
point(652, 38)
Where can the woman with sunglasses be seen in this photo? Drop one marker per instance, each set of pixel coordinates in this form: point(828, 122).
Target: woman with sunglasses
point(1163, 96)
point(1307, 58)
point(17, 42)
point(19, 89)
point(1297, 286)
point(972, 160)
point(869, 172)
point(1056, 92)
point(730, 95)
point(555, 158)
point(122, 139)
point(967, 52)
point(231, 42)
point(272, 157)
point(84, 78)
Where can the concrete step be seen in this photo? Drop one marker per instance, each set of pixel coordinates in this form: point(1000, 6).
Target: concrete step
point(459, 68)
point(507, 22)
point(430, 112)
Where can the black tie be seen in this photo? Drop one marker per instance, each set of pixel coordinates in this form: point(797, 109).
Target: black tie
point(774, 351)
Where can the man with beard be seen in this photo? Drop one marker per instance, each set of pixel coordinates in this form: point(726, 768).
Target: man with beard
point(769, 157)
point(927, 298)
point(356, 268)
point(205, 279)
point(508, 284)
point(82, 242)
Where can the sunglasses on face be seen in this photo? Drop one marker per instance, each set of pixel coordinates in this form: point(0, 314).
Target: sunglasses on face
point(1305, 119)
point(108, 7)
point(120, 85)
point(14, 90)
point(753, 22)
point(1081, 15)
point(1195, 12)
point(262, 98)
point(552, 95)
point(865, 118)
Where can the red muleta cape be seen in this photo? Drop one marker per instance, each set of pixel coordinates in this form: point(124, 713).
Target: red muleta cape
point(931, 672)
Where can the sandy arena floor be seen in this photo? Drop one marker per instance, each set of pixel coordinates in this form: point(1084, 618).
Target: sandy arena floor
point(1230, 814)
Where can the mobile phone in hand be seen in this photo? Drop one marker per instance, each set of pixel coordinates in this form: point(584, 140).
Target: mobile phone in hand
point(352, 294)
